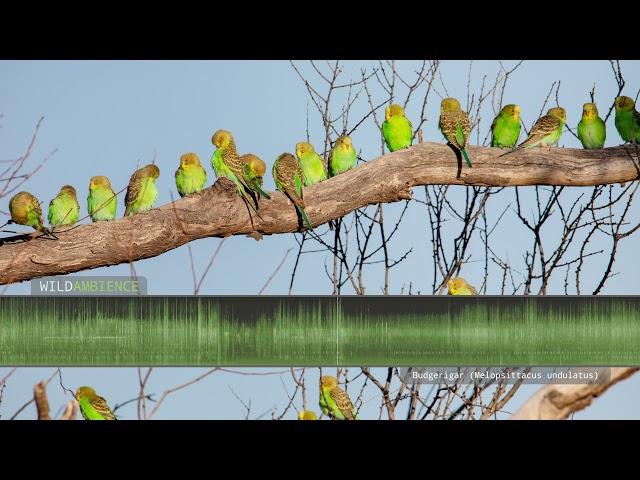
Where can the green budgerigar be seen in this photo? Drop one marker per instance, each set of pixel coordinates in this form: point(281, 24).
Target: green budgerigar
point(314, 169)
point(546, 131)
point(455, 125)
point(142, 190)
point(253, 170)
point(226, 163)
point(627, 119)
point(342, 156)
point(505, 128)
point(64, 209)
point(334, 401)
point(25, 209)
point(396, 128)
point(288, 177)
point(592, 131)
point(93, 406)
point(102, 203)
point(190, 175)
point(459, 286)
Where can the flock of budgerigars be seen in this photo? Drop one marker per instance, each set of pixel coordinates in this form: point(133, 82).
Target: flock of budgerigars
point(334, 403)
point(292, 173)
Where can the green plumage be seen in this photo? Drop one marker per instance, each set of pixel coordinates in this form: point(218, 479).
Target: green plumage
point(334, 401)
point(455, 126)
point(142, 191)
point(312, 165)
point(288, 178)
point(627, 120)
point(93, 406)
point(592, 132)
point(25, 210)
point(190, 176)
point(505, 129)
point(343, 156)
point(396, 129)
point(253, 170)
point(64, 209)
point(102, 203)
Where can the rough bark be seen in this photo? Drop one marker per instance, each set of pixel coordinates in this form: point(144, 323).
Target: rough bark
point(219, 212)
point(556, 402)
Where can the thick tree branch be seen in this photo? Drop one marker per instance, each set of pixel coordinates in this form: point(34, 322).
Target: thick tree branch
point(556, 402)
point(219, 212)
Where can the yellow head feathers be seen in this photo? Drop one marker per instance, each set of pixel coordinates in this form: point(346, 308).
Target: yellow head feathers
point(393, 110)
point(511, 110)
point(450, 104)
point(589, 110)
point(85, 392)
point(99, 181)
point(344, 142)
point(222, 138)
point(328, 382)
point(189, 160)
point(258, 167)
point(302, 148)
point(69, 190)
point(625, 103)
point(459, 286)
point(558, 112)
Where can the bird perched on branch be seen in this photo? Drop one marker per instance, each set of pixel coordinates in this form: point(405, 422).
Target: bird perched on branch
point(505, 128)
point(455, 125)
point(92, 406)
point(64, 208)
point(142, 191)
point(226, 163)
point(627, 119)
point(190, 175)
point(253, 170)
point(334, 401)
point(396, 128)
point(546, 131)
point(307, 415)
point(102, 203)
point(25, 210)
point(459, 286)
point(592, 131)
point(342, 156)
point(313, 168)
point(288, 177)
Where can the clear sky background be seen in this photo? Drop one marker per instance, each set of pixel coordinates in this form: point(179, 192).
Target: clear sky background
point(109, 117)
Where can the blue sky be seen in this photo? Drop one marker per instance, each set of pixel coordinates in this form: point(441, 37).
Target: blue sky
point(108, 117)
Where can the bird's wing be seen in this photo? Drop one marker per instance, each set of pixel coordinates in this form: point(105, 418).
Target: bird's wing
point(100, 405)
point(543, 127)
point(449, 127)
point(343, 402)
point(133, 189)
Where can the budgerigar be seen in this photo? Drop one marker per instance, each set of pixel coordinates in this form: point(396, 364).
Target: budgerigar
point(288, 177)
point(226, 162)
point(455, 125)
point(592, 131)
point(253, 170)
point(25, 209)
point(190, 175)
point(505, 128)
point(102, 203)
point(92, 406)
point(313, 167)
point(335, 402)
point(627, 119)
point(546, 131)
point(459, 286)
point(64, 208)
point(307, 415)
point(142, 191)
point(396, 128)
point(343, 156)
